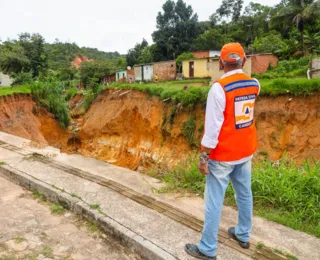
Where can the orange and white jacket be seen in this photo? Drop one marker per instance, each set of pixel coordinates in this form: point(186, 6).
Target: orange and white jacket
point(229, 126)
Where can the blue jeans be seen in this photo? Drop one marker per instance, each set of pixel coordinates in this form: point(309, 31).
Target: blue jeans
point(216, 183)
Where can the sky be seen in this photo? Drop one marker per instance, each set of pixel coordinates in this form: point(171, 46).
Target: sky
point(108, 25)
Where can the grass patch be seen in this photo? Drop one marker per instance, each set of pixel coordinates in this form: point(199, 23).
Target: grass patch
point(284, 192)
point(92, 227)
point(294, 87)
point(94, 206)
point(18, 240)
point(174, 90)
point(39, 196)
point(75, 196)
point(47, 251)
point(57, 209)
point(260, 245)
point(3, 163)
point(288, 255)
point(5, 91)
point(57, 188)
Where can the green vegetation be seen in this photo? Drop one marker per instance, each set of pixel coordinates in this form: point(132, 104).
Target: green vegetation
point(3, 163)
point(94, 206)
point(287, 69)
point(75, 196)
point(289, 86)
point(18, 240)
point(173, 91)
point(5, 91)
point(39, 196)
point(47, 251)
point(260, 245)
point(188, 130)
point(289, 256)
point(50, 95)
point(57, 209)
point(57, 188)
point(92, 227)
point(284, 192)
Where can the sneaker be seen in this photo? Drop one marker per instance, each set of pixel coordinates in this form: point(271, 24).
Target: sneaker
point(195, 252)
point(232, 234)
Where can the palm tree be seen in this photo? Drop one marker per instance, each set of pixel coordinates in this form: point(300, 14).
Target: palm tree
point(300, 11)
point(312, 41)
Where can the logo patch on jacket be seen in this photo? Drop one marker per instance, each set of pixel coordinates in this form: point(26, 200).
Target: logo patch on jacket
point(243, 110)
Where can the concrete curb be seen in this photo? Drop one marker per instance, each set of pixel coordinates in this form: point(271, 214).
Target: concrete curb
point(128, 238)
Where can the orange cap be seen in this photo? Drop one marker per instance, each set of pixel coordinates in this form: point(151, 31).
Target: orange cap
point(232, 52)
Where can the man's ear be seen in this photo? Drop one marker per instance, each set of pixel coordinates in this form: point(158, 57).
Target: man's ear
point(244, 61)
point(221, 64)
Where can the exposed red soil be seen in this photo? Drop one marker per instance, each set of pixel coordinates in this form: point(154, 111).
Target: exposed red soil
point(135, 130)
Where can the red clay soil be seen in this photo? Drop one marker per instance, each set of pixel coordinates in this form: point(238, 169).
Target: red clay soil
point(20, 116)
point(135, 130)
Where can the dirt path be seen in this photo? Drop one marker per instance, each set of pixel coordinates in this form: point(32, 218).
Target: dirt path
point(30, 231)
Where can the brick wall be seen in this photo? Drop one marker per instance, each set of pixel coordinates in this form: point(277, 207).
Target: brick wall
point(201, 54)
point(260, 63)
point(166, 70)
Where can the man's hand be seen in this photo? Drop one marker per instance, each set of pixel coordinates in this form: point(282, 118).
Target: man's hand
point(203, 168)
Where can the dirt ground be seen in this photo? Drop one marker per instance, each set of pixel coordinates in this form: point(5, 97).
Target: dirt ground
point(29, 230)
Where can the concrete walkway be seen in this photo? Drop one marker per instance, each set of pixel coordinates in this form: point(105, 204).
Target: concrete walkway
point(164, 233)
point(30, 231)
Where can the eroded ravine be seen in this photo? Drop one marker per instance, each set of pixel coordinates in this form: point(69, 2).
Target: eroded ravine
point(137, 131)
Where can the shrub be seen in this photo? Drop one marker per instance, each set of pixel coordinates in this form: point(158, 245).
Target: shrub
point(188, 130)
point(287, 69)
point(283, 191)
point(70, 93)
point(50, 95)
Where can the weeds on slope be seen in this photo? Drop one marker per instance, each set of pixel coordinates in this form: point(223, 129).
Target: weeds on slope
point(50, 95)
point(283, 192)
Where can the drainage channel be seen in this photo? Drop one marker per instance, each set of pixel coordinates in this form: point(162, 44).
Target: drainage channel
point(163, 208)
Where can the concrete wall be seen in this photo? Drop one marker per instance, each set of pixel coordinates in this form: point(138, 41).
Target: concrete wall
point(202, 68)
point(217, 72)
point(315, 68)
point(137, 73)
point(166, 70)
point(148, 72)
point(120, 75)
point(260, 63)
point(5, 80)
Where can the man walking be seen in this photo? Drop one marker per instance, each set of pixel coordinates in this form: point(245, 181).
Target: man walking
point(229, 142)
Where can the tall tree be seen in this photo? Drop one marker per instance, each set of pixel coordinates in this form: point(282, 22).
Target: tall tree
point(35, 51)
point(302, 12)
point(134, 53)
point(177, 27)
point(230, 8)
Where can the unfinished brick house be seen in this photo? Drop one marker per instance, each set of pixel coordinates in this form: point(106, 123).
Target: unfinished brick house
point(166, 70)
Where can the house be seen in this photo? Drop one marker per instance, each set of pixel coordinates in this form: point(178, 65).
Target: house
point(126, 75)
point(109, 79)
point(5, 80)
point(206, 54)
point(143, 72)
point(166, 70)
point(210, 67)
